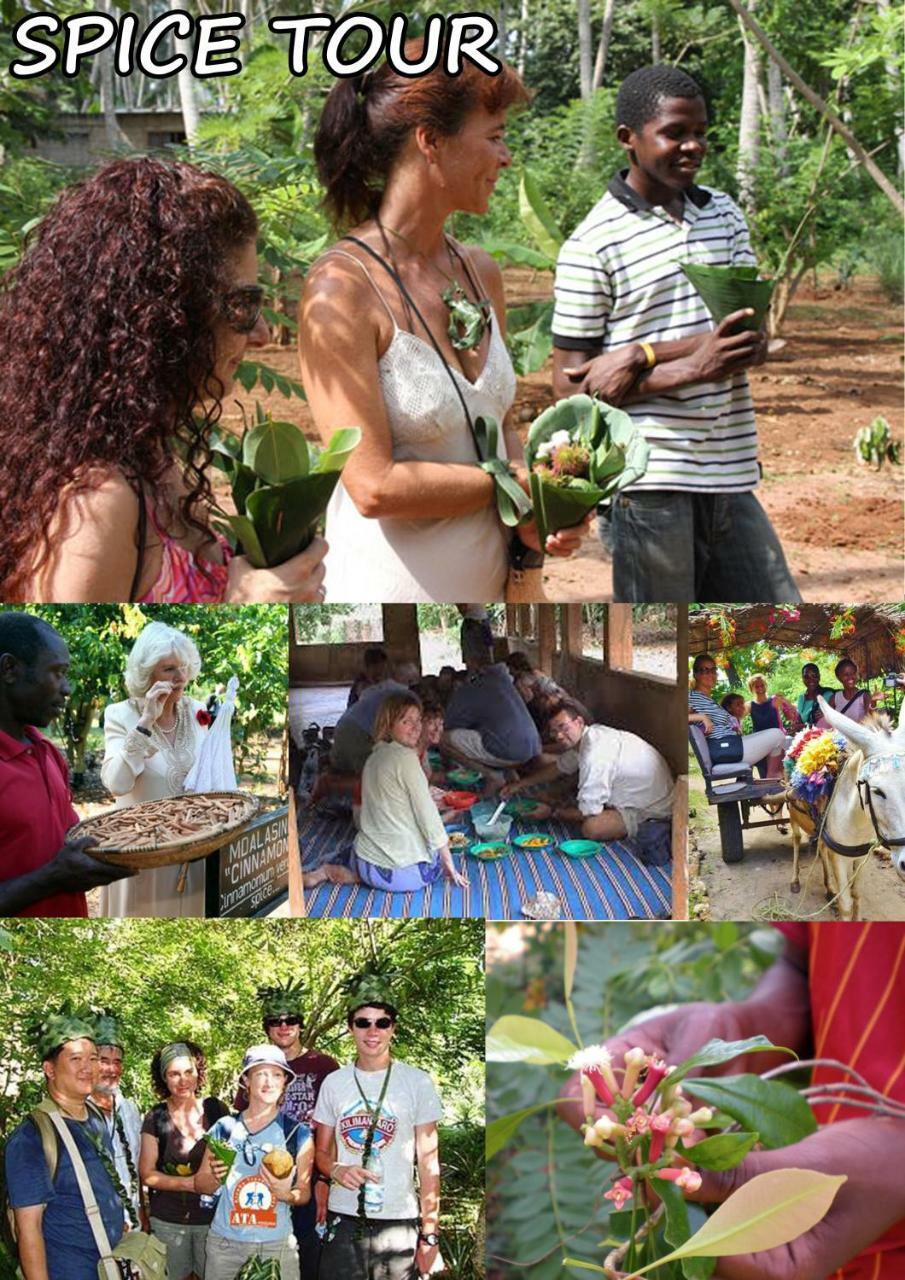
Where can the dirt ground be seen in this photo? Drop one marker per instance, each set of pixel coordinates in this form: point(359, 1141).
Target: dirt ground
point(759, 887)
point(841, 525)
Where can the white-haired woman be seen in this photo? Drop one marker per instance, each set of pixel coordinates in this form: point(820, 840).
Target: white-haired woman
point(150, 743)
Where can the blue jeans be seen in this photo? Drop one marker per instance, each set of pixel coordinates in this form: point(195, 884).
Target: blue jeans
point(677, 547)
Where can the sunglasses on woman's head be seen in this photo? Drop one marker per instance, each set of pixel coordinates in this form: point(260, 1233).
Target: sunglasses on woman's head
point(363, 1023)
point(282, 1022)
point(242, 307)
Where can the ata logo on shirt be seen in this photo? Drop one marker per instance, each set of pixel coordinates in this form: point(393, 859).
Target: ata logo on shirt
point(253, 1204)
point(353, 1130)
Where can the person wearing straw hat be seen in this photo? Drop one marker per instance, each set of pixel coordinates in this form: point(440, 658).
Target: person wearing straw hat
point(43, 872)
point(261, 1163)
point(121, 1116)
point(282, 1008)
point(630, 328)
point(377, 1118)
point(55, 1237)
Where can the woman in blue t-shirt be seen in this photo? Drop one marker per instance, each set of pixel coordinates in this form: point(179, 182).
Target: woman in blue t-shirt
point(252, 1218)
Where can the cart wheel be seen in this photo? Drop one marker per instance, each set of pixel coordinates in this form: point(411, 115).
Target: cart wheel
point(731, 839)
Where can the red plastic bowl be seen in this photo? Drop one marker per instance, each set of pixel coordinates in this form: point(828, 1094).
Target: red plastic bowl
point(459, 799)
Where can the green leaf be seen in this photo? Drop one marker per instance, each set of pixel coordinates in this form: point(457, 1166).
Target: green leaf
point(538, 219)
point(499, 1133)
point(247, 535)
point(678, 1230)
point(276, 451)
point(722, 1151)
point(336, 454)
point(517, 1039)
point(715, 1052)
point(285, 515)
point(247, 374)
point(766, 1212)
point(774, 1110)
point(571, 959)
point(518, 255)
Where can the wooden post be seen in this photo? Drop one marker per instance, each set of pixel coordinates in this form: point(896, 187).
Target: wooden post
point(571, 631)
point(682, 654)
point(680, 849)
point(546, 637)
point(294, 854)
point(618, 647)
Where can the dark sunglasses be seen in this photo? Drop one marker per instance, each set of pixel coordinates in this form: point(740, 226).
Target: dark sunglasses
point(363, 1023)
point(706, 671)
point(282, 1022)
point(242, 307)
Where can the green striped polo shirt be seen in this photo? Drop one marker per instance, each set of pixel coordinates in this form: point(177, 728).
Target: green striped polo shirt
point(618, 281)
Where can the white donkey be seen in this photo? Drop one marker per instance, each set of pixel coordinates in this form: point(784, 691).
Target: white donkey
point(867, 806)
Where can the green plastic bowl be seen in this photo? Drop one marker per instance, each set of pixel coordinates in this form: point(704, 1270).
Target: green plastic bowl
point(580, 848)
point(464, 778)
point(490, 850)
point(522, 842)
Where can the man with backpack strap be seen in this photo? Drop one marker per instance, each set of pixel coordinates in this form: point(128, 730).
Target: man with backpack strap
point(120, 1115)
point(55, 1236)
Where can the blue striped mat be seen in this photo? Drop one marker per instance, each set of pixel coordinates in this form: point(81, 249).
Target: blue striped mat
point(612, 885)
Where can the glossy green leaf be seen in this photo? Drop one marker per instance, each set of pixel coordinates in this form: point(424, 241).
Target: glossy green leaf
point(538, 219)
point(336, 454)
point(766, 1212)
point(276, 451)
point(518, 255)
point(247, 537)
point(285, 516)
point(775, 1111)
point(499, 1133)
point(722, 1151)
point(514, 1038)
point(715, 1052)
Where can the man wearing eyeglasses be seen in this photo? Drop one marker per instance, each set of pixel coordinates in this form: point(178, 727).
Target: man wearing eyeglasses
point(281, 1016)
point(376, 1118)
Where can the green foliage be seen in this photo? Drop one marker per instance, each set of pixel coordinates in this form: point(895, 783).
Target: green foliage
point(545, 1197)
point(249, 641)
point(875, 445)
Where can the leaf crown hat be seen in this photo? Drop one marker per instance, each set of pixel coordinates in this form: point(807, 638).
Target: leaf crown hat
point(281, 999)
point(58, 1028)
point(373, 986)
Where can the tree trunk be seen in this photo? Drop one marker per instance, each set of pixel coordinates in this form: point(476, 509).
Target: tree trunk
point(749, 125)
point(776, 103)
point(502, 29)
point(187, 101)
point(522, 37)
point(115, 138)
point(894, 81)
point(879, 177)
point(603, 47)
point(654, 39)
point(584, 48)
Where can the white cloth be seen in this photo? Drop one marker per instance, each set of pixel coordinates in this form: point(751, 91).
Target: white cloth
point(213, 769)
point(619, 770)
point(766, 742)
point(411, 1100)
point(137, 768)
point(446, 559)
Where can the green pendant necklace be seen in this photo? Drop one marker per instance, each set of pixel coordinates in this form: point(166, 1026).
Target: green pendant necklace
point(468, 320)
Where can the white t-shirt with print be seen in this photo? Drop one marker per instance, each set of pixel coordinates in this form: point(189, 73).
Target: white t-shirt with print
point(411, 1099)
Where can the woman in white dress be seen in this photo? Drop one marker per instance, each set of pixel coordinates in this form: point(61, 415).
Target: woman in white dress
point(402, 331)
point(151, 742)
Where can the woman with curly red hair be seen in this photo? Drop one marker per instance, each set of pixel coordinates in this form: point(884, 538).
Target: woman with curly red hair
point(122, 329)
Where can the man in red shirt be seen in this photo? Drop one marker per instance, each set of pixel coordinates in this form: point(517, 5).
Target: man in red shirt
point(41, 873)
point(835, 993)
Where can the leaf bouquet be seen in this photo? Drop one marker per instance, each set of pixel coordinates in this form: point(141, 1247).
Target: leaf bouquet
point(280, 484)
point(728, 289)
point(579, 452)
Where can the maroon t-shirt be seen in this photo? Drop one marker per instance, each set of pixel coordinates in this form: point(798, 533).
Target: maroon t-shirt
point(35, 814)
point(311, 1069)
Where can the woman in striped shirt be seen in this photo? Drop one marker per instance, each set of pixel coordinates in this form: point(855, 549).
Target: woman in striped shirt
point(718, 723)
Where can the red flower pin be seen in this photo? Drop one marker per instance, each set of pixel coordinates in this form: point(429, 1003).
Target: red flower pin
point(203, 717)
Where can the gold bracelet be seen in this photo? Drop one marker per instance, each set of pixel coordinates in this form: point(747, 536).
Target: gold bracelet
point(649, 354)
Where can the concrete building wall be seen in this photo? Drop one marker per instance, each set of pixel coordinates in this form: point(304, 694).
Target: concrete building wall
point(85, 140)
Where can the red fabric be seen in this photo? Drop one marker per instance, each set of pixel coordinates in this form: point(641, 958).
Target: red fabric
point(35, 814)
point(856, 973)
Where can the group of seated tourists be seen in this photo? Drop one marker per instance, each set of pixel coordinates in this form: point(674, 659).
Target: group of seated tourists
point(512, 727)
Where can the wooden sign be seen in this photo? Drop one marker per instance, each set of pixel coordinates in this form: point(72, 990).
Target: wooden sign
point(249, 875)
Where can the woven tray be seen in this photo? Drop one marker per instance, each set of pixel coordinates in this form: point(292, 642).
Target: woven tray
point(147, 837)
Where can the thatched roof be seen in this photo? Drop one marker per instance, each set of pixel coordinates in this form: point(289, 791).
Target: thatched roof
point(872, 644)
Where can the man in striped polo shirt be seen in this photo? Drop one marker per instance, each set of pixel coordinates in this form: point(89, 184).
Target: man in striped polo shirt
point(630, 328)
